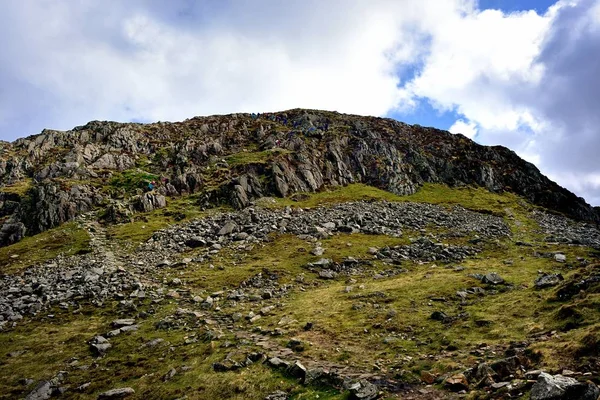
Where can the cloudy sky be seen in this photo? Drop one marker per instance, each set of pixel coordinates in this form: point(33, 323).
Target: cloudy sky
point(524, 74)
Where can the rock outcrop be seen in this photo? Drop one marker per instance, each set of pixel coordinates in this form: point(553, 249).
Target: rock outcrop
point(238, 158)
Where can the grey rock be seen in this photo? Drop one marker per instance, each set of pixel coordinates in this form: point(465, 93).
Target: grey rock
point(560, 257)
point(195, 241)
point(227, 229)
point(99, 345)
point(129, 328)
point(46, 389)
point(317, 251)
point(149, 202)
point(278, 395)
point(42, 391)
point(492, 278)
point(236, 317)
point(439, 316)
point(276, 362)
point(548, 280)
point(318, 160)
point(118, 323)
point(116, 393)
point(559, 387)
point(83, 387)
point(327, 274)
point(297, 370)
point(154, 342)
point(363, 390)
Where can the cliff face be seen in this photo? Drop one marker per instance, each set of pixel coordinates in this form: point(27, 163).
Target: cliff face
point(52, 177)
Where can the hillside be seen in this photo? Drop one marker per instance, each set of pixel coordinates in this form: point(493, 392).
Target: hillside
point(53, 177)
point(295, 255)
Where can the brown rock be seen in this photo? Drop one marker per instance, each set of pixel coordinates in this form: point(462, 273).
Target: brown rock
point(457, 383)
point(427, 377)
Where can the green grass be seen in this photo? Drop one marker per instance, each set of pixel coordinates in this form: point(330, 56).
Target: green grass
point(145, 224)
point(45, 346)
point(261, 157)
point(354, 192)
point(511, 313)
point(132, 179)
point(19, 188)
point(350, 328)
point(473, 198)
point(68, 239)
point(285, 255)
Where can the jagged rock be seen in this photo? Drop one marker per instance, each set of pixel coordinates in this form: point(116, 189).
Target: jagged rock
point(118, 212)
point(278, 395)
point(407, 156)
point(119, 323)
point(506, 367)
point(195, 241)
point(42, 391)
point(560, 258)
point(548, 280)
point(116, 393)
point(492, 278)
point(564, 230)
point(149, 202)
point(317, 251)
point(12, 232)
point(327, 274)
point(297, 370)
point(47, 389)
point(439, 316)
point(118, 162)
point(363, 390)
point(226, 365)
point(276, 362)
point(457, 383)
point(559, 387)
point(482, 375)
point(227, 229)
point(100, 345)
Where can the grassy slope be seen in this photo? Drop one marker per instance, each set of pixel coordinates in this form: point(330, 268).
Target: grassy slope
point(342, 333)
point(143, 225)
point(67, 239)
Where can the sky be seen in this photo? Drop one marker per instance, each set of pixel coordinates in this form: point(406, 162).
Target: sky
point(523, 74)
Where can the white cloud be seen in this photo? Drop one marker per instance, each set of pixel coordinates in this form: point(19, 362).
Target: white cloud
point(473, 59)
point(145, 60)
point(469, 129)
point(511, 78)
point(136, 65)
point(526, 81)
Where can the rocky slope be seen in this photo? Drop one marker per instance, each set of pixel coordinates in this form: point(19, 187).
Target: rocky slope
point(291, 256)
point(53, 177)
point(354, 299)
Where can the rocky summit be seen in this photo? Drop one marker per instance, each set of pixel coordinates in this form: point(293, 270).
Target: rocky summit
point(295, 255)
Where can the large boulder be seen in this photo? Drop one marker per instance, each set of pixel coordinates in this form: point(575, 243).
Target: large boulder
point(149, 202)
point(363, 390)
point(558, 387)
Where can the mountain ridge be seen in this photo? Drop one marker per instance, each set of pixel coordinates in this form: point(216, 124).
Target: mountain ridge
point(291, 256)
point(50, 178)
